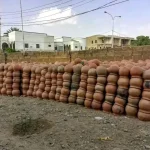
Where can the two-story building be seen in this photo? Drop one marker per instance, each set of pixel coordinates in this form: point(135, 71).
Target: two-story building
point(103, 41)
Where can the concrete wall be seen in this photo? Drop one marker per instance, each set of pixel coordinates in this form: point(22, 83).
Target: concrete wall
point(136, 53)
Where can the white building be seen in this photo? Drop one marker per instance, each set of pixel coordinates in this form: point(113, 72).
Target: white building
point(4, 42)
point(32, 41)
point(67, 43)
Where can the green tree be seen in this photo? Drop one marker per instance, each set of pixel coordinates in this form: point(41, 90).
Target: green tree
point(11, 30)
point(141, 40)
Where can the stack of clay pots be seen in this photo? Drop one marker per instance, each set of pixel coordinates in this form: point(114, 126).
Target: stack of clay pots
point(100, 87)
point(3, 90)
point(65, 91)
point(60, 70)
point(32, 81)
point(91, 82)
point(111, 88)
point(75, 83)
point(135, 90)
point(122, 91)
point(37, 92)
point(45, 94)
point(16, 80)
point(25, 79)
point(53, 82)
point(9, 80)
point(1, 76)
point(81, 93)
point(144, 104)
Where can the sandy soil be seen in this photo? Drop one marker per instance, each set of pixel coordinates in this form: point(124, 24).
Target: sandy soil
point(72, 127)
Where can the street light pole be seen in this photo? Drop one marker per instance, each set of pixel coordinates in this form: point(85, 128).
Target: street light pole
point(22, 26)
point(113, 26)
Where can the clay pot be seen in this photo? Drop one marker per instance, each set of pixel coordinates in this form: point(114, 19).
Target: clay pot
point(87, 103)
point(146, 95)
point(99, 87)
point(144, 105)
point(9, 92)
point(109, 98)
point(9, 74)
point(146, 74)
point(92, 65)
point(77, 61)
point(69, 68)
point(101, 80)
point(112, 79)
point(91, 80)
point(26, 81)
point(92, 72)
point(42, 86)
point(48, 75)
point(123, 82)
point(96, 105)
point(63, 98)
point(131, 110)
point(16, 74)
point(39, 93)
point(133, 100)
point(98, 96)
point(47, 89)
point(8, 81)
point(65, 91)
point(29, 93)
point(16, 93)
point(136, 82)
point(15, 86)
point(107, 106)
point(85, 69)
point(122, 92)
point(120, 101)
point(80, 101)
point(136, 71)
point(101, 71)
point(81, 93)
point(66, 76)
point(3, 91)
point(134, 92)
point(117, 109)
point(26, 69)
point(111, 89)
point(45, 95)
point(124, 71)
point(113, 69)
point(143, 115)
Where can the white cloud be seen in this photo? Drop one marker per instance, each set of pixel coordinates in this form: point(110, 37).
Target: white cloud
point(52, 14)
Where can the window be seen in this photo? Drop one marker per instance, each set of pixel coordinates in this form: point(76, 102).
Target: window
point(92, 42)
point(76, 46)
point(95, 41)
point(26, 45)
point(37, 45)
point(49, 45)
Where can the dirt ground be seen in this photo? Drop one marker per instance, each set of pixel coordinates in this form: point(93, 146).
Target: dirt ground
point(71, 127)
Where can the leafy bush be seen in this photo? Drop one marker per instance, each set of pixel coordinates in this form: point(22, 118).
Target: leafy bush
point(10, 50)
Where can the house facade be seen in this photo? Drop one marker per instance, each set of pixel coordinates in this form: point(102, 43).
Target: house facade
point(103, 41)
point(32, 41)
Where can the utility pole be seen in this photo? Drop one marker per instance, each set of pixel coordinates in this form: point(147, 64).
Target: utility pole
point(22, 26)
point(113, 26)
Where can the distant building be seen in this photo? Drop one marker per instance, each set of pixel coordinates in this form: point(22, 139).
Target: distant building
point(68, 43)
point(32, 41)
point(4, 42)
point(103, 41)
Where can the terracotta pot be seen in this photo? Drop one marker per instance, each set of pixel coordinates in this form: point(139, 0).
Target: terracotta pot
point(42, 79)
point(16, 74)
point(120, 101)
point(77, 61)
point(113, 69)
point(136, 71)
point(39, 93)
point(53, 88)
point(83, 84)
point(107, 106)
point(8, 81)
point(71, 99)
point(9, 74)
point(16, 80)
point(136, 82)
point(134, 92)
point(98, 96)
point(146, 95)
point(89, 95)
point(81, 93)
point(15, 86)
point(42, 86)
point(123, 82)
point(80, 101)
point(99, 87)
point(146, 74)
point(3, 91)
point(131, 110)
point(90, 88)
point(112, 79)
point(38, 70)
point(88, 103)
point(26, 81)
point(122, 92)
point(92, 65)
point(109, 98)
point(63, 98)
point(101, 71)
point(67, 76)
point(143, 115)
point(96, 105)
point(10, 68)
point(91, 81)
point(8, 86)
point(144, 105)
point(29, 93)
point(101, 80)
point(45, 95)
point(66, 84)
point(118, 109)
point(92, 72)
point(48, 75)
point(85, 69)
point(124, 71)
point(47, 89)
point(25, 86)
point(111, 89)
point(9, 92)
point(133, 100)
point(65, 91)
point(69, 68)
point(16, 93)
point(77, 69)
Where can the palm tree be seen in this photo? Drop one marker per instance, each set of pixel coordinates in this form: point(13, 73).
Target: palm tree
point(11, 30)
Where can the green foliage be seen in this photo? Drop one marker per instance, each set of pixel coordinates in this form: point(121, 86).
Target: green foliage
point(10, 50)
point(11, 29)
point(141, 40)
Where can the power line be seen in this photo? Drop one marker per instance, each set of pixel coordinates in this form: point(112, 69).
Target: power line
point(62, 19)
point(38, 9)
point(27, 21)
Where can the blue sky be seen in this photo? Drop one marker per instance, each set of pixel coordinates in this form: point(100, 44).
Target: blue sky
point(135, 18)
